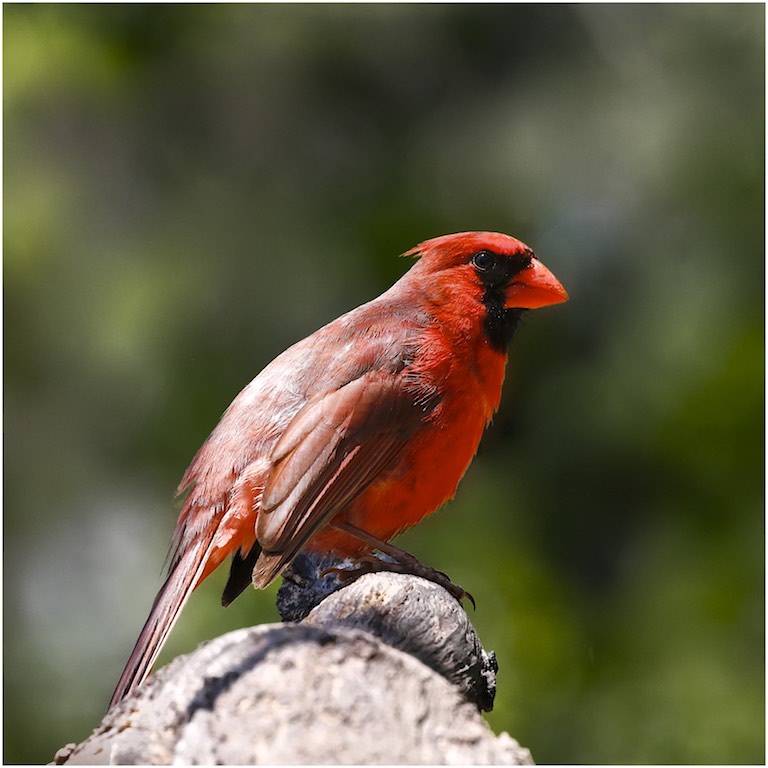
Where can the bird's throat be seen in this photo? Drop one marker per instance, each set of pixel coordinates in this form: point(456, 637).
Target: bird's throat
point(500, 323)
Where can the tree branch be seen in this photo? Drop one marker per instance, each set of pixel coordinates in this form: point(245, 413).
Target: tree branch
point(387, 670)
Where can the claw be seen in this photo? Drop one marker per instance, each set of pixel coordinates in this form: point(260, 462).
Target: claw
point(342, 574)
point(397, 560)
point(438, 577)
point(409, 565)
point(368, 564)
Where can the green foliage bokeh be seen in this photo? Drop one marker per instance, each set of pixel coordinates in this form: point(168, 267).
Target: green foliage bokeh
point(191, 188)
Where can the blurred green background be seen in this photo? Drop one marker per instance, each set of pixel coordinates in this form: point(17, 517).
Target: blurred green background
point(190, 189)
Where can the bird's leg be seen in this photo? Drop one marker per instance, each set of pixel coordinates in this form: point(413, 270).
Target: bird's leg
point(402, 562)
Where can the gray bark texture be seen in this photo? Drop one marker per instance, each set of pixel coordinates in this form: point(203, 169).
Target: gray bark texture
point(387, 670)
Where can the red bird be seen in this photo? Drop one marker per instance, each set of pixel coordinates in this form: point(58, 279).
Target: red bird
point(356, 433)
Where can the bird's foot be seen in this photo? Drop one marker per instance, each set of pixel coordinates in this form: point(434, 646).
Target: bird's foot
point(395, 560)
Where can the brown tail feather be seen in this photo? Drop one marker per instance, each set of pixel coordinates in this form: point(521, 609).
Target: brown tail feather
point(182, 579)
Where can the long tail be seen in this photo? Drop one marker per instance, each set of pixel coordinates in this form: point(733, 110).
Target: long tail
point(184, 575)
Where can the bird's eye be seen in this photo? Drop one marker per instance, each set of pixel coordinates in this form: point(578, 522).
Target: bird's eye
point(484, 260)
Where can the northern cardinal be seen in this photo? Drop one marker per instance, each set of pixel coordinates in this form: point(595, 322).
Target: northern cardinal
point(355, 433)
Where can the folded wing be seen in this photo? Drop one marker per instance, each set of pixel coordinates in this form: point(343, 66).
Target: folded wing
point(334, 448)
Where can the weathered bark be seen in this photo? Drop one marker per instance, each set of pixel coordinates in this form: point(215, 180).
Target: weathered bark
point(387, 670)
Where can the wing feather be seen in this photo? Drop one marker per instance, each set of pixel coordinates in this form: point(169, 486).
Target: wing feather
point(332, 450)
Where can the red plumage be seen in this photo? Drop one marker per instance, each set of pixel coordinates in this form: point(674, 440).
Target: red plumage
point(371, 421)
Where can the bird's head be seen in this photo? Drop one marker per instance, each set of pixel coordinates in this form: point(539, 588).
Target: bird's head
point(495, 262)
point(493, 269)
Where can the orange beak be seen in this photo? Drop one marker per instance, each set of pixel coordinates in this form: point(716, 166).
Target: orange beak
point(534, 287)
